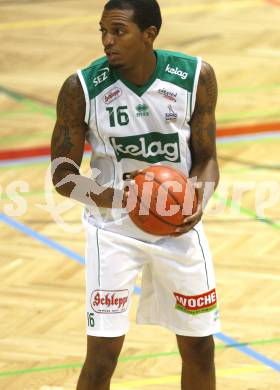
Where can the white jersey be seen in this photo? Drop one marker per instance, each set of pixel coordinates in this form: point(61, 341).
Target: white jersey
point(133, 127)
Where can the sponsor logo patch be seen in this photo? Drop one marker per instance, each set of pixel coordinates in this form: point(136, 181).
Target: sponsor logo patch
point(196, 304)
point(112, 95)
point(171, 115)
point(168, 94)
point(103, 75)
point(142, 110)
point(152, 147)
point(109, 301)
point(176, 71)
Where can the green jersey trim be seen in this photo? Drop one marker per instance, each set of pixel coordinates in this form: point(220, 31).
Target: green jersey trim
point(173, 67)
point(98, 76)
point(195, 83)
point(139, 91)
point(87, 100)
point(179, 69)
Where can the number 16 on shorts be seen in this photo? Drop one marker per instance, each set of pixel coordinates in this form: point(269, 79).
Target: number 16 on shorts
point(90, 320)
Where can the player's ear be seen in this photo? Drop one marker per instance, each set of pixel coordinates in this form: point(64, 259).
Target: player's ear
point(150, 34)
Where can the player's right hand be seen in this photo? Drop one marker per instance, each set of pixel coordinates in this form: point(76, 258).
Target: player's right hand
point(129, 196)
point(131, 175)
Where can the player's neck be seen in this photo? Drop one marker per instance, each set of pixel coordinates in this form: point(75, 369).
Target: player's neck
point(141, 72)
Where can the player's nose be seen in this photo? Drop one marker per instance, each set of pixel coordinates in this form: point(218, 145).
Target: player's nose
point(108, 40)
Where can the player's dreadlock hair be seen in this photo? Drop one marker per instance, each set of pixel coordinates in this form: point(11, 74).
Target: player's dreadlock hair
point(146, 12)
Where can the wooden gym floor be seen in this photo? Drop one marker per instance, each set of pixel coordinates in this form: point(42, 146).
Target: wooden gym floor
point(42, 343)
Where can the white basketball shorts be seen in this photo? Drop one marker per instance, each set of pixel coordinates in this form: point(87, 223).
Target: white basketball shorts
point(178, 284)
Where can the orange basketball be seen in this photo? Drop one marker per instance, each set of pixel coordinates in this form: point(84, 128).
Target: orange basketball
point(164, 198)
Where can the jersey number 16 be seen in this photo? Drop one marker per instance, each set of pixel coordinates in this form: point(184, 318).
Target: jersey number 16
point(120, 114)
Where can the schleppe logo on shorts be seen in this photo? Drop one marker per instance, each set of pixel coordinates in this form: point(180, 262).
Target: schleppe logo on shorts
point(196, 304)
point(109, 301)
point(176, 71)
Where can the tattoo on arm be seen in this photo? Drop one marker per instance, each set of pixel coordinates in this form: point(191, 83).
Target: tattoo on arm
point(208, 91)
point(62, 140)
point(203, 122)
point(70, 129)
point(211, 85)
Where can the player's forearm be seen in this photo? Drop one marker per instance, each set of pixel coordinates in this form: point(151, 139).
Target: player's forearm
point(87, 191)
point(207, 175)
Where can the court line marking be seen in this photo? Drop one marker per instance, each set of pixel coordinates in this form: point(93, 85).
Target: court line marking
point(248, 163)
point(223, 335)
point(22, 163)
point(19, 96)
point(253, 89)
point(41, 238)
point(225, 201)
point(247, 167)
point(158, 380)
point(247, 138)
point(250, 352)
point(54, 245)
point(175, 379)
point(226, 118)
point(14, 162)
point(225, 5)
point(47, 241)
point(245, 211)
point(35, 107)
point(131, 358)
point(43, 135)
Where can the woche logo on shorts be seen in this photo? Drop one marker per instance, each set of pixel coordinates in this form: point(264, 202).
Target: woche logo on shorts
point(109, 301)
point(196, 304)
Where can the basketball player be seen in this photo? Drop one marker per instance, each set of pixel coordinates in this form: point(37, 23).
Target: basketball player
point(137, 106)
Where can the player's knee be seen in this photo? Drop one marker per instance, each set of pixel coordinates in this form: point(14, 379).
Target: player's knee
point(100, 369)
point(198, 351)
point(102, 357)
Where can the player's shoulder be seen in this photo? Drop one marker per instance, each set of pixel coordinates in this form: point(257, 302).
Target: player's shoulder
point(175, 55)
point(207, 78)
point(207, 70)
point(97, 76)
point(207, 89)
point(178, 68)
point(96, 72)
point(96, 65)
point(71, 86)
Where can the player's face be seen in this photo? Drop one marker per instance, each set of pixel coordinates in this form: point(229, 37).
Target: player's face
point(124, 43)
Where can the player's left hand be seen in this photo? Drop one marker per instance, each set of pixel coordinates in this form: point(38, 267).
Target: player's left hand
point(192, 220)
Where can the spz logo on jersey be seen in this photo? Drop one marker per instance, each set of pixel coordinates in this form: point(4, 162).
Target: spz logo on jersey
point(151, 147)
point(101, 77)
point(109, 301)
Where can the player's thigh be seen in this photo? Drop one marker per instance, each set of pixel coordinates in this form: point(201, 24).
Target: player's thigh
point(112, 264)
point(183, 296)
